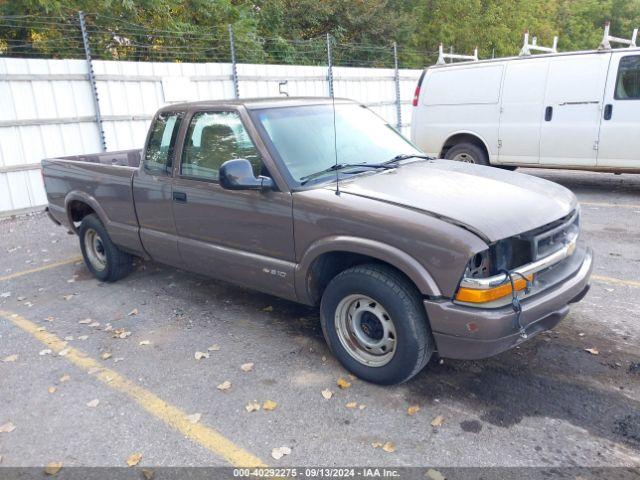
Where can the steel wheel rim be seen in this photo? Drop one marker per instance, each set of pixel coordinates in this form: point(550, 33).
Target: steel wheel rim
point(464, 157)
point(94, 248)
point(366, 330)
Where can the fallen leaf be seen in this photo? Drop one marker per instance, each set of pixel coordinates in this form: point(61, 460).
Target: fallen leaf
point(148, 474)
point(279, 452)
point(86, 321)
point(269, 405)
point(94, 324)
point(327, 394)
point(10, 358)
point(268, 309)
point(64, 352)
point(438, 421)
point(342, 383)
point(124, 334)
point(224, 386)
point(105, 356)
point(351, 405)
point(252, 407)
point(435, 474)
point(132, 312)
point(134, 459)
point(412, 410)
point(592, 351)
point(52, 468)
point(144, 342)
point(214, 348)
point(201, 355)
point(93, 403)
point(389, 447)
point(246, 367)
point(46, 351)
point(376, 444)
point(362, 406)
point(7, 427)
point(68, 297)
point(68, 338)
point(52, 389)
point(64, 378)
point(83, 337)
point(194, 417)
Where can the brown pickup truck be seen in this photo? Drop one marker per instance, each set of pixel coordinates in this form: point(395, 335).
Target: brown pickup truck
point(324, 203)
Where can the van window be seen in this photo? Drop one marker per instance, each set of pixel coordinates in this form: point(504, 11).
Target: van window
point(212, 139)
point(628, 84)
point(159, 153)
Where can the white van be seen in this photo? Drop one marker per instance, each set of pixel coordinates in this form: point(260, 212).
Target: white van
point(578, 110)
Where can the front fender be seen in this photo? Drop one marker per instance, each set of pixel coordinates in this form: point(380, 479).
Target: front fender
point(364, 246)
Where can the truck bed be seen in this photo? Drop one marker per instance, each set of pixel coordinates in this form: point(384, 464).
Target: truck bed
point(103, 181)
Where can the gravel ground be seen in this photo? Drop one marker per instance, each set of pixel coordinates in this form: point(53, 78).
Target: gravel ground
point(549, 403)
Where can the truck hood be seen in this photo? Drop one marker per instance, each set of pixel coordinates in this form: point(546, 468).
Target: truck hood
point(491, 202)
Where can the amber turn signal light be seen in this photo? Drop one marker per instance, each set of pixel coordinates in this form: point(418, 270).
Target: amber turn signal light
point(473, 295)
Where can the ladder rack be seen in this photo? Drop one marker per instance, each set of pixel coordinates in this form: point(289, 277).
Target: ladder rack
point(607, 39)
point(454, 56)
point(528, 47)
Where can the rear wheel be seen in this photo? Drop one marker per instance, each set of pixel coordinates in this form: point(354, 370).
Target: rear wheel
point(375, 324)
point(102, 257)
point(468, 153)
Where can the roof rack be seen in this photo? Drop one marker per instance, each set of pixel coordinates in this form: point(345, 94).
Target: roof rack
point(607, 39)
point(527, 47)
point(454, 56)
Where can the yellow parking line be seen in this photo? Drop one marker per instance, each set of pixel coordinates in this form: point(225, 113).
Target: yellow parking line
point(611, 205)
point(40, 269)
point(616, 281)
point(169, 414)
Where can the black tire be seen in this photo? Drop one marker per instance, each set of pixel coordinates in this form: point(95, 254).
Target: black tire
point(467, 152)
point(414, 343)
point(117, 264)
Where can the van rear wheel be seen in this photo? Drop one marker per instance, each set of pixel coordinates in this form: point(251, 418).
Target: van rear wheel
point(375, 324)
point(468, 153)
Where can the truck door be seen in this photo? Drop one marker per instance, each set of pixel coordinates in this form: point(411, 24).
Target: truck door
point(619, 145)
point(571, 117)
point(152, 190)
point(242, 236)
point(521, 108)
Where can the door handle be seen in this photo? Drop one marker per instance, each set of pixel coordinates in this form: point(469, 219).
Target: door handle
point(180, 197)
point(608, 111)
point(548, 114)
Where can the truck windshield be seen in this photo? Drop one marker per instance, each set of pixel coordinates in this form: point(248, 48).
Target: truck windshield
point(304, 137)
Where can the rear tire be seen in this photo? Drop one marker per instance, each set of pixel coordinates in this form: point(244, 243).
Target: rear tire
point(101, 256)
point(468, 153)
point(367, 308)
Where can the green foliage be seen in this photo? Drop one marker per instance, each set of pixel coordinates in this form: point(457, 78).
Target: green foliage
point(293, 31)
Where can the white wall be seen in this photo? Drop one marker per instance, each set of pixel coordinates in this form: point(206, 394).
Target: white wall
point(46, 106)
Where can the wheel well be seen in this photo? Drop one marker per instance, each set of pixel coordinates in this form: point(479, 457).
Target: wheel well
point(463, 138)
point(78, 210)
point(328, 265)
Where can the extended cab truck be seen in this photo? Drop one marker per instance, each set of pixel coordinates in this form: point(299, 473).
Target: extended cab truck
point(327, 204)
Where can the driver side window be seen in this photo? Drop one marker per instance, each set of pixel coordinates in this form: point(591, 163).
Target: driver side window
point(212, 139)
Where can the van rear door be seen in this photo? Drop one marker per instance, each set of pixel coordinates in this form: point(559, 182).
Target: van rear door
point(571, 117)
point(619, 144)
point(521, 111)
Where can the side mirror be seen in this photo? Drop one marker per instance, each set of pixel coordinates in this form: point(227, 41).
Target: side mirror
point(238, 175)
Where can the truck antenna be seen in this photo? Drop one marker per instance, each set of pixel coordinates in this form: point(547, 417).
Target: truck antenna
point(333, 105)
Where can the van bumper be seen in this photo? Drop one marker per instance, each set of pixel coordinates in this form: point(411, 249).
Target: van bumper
point(470, 333)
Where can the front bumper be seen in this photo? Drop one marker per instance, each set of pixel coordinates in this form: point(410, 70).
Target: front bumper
point(470, 333)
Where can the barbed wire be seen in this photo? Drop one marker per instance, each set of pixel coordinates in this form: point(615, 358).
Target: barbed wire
point(114, 38)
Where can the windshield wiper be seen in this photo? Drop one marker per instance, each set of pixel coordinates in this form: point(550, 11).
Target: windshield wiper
point(341, 166)
point(405, 156)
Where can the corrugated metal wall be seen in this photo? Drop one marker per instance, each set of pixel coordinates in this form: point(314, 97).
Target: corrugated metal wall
point(46, 106)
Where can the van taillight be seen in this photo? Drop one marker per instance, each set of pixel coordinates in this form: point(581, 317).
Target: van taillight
point(416, 95)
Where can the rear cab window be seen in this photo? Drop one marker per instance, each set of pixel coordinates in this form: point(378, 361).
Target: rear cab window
point(158, 158)
point(628, 82)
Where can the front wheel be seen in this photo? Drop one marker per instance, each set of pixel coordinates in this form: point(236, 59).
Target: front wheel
point(102, 257)
point(468, 153)
point(375, 324)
